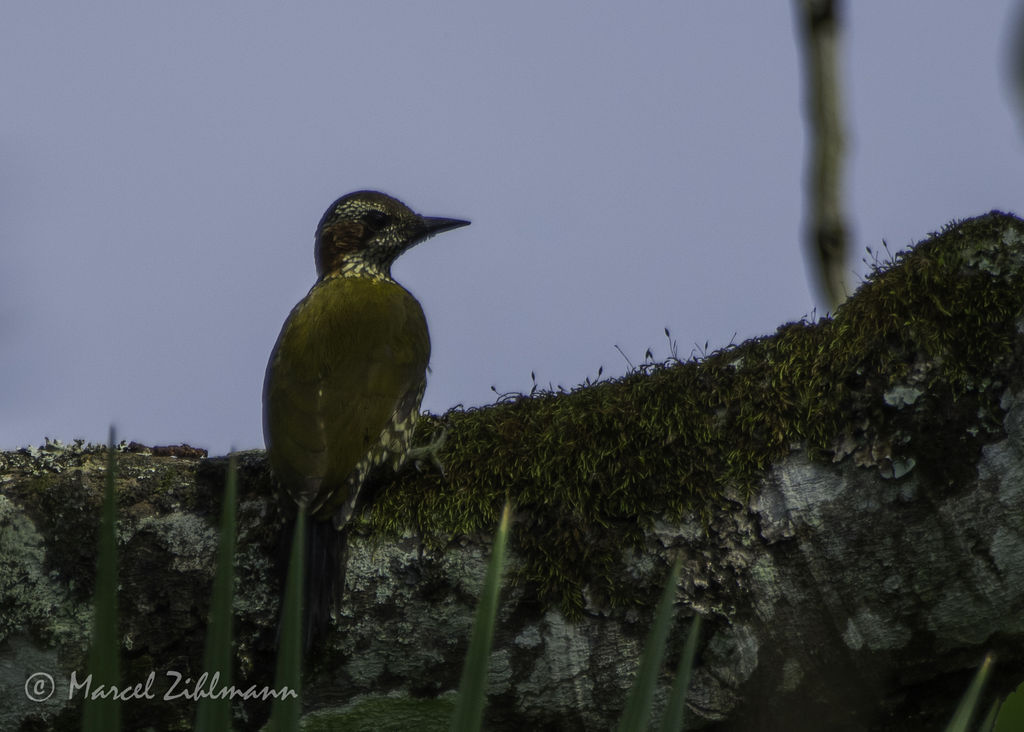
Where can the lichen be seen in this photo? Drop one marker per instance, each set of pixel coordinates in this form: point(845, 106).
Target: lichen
point(589, 470)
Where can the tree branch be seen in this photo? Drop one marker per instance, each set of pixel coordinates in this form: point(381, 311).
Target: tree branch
point(845, 496)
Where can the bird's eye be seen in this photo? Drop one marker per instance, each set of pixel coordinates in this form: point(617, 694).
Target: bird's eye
point(376, 219)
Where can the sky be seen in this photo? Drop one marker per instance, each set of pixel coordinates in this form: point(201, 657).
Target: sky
point(628, 167)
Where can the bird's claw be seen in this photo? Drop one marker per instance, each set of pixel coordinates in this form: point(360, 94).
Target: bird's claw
point(429, 453)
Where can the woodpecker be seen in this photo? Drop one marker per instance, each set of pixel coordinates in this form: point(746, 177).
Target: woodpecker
point(346, 377)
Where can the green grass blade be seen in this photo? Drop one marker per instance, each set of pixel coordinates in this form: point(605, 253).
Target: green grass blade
point(214, 714)
point(1011, 712)
point(469, 706)
point(989, 723)
point(638, 706)
point(104, 714)
point(673, 721)
point(284, 716)
point(965, 710)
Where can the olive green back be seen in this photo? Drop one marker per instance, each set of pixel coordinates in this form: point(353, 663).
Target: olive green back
point(347, 355)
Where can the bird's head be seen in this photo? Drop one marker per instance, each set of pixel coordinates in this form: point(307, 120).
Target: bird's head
point(364, 232)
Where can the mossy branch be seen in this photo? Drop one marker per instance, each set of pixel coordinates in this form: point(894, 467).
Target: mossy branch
point(843, 495)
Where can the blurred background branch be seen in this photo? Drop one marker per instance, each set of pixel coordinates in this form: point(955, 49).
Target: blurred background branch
point(1017, 64)
point(825, 228)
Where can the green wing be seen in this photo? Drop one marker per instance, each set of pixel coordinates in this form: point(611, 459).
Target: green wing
point(352, 353)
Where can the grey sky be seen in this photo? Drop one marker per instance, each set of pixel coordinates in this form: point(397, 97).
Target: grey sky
point(626, 166)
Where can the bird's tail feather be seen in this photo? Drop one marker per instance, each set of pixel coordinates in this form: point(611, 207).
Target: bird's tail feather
point(324, 567)
point(325, 578)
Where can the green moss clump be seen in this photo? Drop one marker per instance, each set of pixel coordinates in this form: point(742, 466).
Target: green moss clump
point(589, 470)
point(384, 713)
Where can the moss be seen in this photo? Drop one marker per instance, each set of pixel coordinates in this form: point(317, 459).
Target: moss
point(588, 470)
point(383, 714)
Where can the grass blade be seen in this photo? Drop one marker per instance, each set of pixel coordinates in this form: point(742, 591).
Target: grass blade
point(673, 721)
point(284, 716)
point(1011, 712)
point(214, 714)
point(104, 714)
point(988, 724)
point(965, 710)
point(469, 706)
point(638, 706)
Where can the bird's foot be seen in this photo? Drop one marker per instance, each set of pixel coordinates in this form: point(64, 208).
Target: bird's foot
point(429, 453)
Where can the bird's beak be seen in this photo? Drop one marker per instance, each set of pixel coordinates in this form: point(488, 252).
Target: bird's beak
point(436, 226)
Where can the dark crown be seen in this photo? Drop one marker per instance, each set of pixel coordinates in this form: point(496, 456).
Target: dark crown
point(361, 234)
